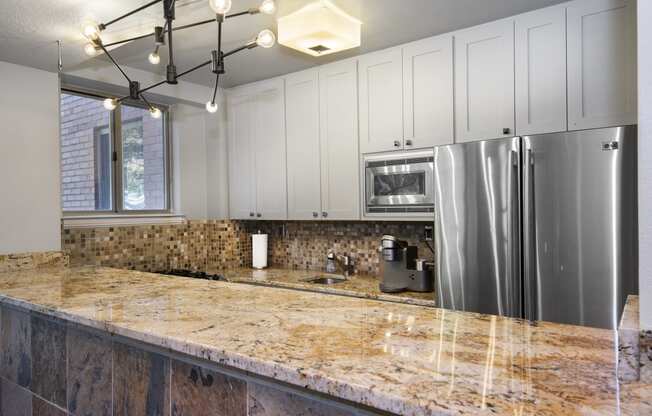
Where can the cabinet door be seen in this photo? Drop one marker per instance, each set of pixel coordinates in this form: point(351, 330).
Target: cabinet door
point(484, 82)
point(601, 63)
point(242, 202)
point(269, 151)
point(339, 141)
point(381, 96)
point(540, 39)
point(302, 133)
point(428, 92)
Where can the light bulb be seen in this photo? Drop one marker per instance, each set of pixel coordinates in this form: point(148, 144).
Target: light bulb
point(220, 6)
point(91, 30)
point(155, 112)
point(154, 58)
point(110, 103)
point(267, 7)
point(211, 107)
point(266, 38)
point(90, 49)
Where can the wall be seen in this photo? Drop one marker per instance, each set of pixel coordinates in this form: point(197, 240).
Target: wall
point(29, 160)
point(645, 160)
point(212, 245)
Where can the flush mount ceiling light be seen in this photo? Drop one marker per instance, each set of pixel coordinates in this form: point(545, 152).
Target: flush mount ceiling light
point(319, 28)
point(92, 32)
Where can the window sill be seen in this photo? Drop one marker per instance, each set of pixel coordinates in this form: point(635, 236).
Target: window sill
point(93, 221)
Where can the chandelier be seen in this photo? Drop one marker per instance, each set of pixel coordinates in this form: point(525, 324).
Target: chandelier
point(93, 30)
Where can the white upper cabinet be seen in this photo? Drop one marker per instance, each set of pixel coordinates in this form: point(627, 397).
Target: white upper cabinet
point(601, 63)
point(381, 101)
point(242, 202)
point(257, 164)
point(269, 125)
point(484, 82)
point(428, 93)
point(540, 39)
point(302, 130)
point(338, 110)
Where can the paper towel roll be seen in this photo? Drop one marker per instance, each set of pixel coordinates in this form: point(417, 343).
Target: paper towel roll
point(259, 251)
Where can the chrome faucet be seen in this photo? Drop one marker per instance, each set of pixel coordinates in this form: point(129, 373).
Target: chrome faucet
point(343, 261)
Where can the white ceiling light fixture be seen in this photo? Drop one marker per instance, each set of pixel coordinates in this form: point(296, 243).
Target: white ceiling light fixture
point(319, 28)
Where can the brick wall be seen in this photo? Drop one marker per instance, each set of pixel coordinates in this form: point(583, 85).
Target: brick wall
point(82, 119)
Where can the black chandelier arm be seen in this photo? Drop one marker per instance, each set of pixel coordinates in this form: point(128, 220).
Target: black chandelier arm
point(152, 86)
point(217, 81)
point(117, 19)
point(188, 26)
point(99, 43)
point(249, 45)
point(203, 64)
point(146, 101)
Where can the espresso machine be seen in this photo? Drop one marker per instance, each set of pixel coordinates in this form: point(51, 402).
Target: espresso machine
point(402, 269)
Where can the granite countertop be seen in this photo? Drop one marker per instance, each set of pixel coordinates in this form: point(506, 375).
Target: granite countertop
point(404, 359)
point(359, 285)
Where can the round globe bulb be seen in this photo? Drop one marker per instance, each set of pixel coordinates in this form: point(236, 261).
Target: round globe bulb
point(91, 30)
point(154, 58)
point(220, 6)
point(266, 38)
point(211, 107)
point(110, 103)
point(90, 49)
point(267, 7)
point(155, 112)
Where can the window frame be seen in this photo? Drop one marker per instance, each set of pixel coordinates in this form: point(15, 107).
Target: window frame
point(115, 129)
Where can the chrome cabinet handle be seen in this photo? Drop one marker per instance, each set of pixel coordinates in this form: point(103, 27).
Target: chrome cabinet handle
point(507, 130)
point(251, 214)
point(315, 214)
point(324, 214)
point(259, 215)
point(408, 142)
point(397, 143)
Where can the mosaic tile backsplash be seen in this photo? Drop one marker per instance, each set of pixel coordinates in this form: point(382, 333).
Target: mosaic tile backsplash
point(202, 245)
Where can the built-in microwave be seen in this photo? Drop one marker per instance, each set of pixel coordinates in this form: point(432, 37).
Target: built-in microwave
point(399, 183)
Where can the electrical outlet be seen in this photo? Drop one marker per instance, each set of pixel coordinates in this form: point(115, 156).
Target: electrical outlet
point(427, 233)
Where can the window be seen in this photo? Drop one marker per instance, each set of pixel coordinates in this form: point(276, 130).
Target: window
point(112, 161)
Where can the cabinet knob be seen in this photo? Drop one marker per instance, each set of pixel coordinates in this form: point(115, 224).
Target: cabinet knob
point(315, 214)
point(397, 143)
point(324, 214)
point(506, 130)
point(259, 215)
point(251, 214)
point(408, 142)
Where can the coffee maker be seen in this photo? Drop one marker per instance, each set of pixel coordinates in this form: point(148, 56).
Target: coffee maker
point(402, 269)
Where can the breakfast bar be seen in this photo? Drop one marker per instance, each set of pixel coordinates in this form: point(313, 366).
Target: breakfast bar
point(96, 340)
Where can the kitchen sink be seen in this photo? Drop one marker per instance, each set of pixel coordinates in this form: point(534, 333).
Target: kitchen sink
point(326, 280)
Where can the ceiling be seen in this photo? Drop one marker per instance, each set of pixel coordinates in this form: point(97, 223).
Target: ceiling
point(29, 30)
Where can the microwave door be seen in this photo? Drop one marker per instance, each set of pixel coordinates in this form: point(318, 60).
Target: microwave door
point(399, 185)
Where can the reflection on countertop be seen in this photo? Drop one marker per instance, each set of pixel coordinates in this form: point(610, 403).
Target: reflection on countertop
point(404, 359)
point(359, 285)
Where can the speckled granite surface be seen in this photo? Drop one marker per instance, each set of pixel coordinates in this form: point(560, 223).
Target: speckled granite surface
point(30, 261)
point(404, 359)
point(359, 285)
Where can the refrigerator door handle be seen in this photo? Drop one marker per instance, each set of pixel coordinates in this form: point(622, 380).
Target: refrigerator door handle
point(530, 241)
point(515, 232)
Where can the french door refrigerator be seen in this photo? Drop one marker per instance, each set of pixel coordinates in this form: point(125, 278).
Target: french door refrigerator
point(541, 227)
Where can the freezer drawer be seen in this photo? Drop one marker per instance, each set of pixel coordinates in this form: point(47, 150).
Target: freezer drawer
point(477, 226)
point(579, 225)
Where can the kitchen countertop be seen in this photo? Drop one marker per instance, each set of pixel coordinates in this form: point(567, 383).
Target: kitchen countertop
point(359, 285)
point(399, 358)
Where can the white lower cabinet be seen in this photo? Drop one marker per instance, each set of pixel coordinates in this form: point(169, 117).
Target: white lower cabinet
point(484, 82)
point(601, 63)
point(257, 162)
point(322, 140)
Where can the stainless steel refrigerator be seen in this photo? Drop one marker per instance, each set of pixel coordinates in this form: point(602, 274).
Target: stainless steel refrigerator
point(541, 227)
